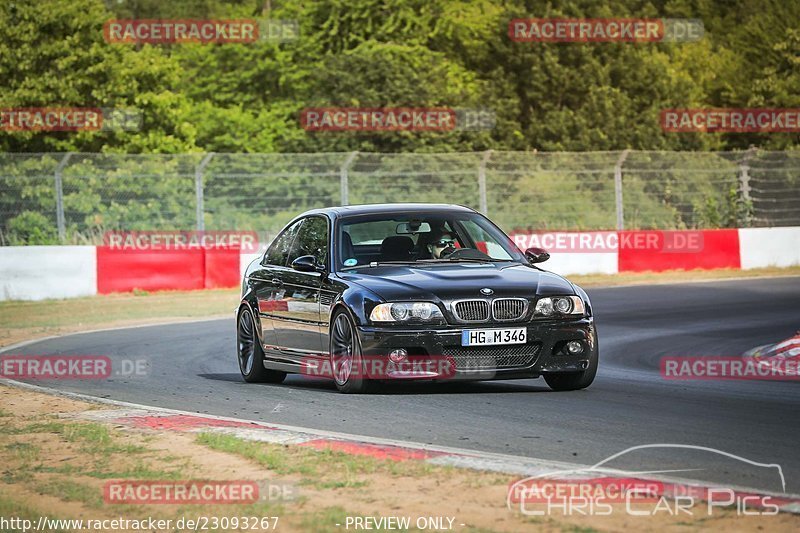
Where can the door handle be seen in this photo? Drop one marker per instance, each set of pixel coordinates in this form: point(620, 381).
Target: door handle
point(277, 282)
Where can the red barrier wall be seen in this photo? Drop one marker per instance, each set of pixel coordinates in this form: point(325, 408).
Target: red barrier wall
point(716, 248)
point(222, 268)
point(121, 270)
point(154, 270)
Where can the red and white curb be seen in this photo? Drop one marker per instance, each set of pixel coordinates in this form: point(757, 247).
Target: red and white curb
point(134, 417)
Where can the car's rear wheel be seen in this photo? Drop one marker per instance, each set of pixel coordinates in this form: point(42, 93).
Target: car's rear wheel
point(346, 361)
point(565, 381)
point(250, 354)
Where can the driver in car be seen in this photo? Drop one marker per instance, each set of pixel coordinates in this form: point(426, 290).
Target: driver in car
point(442, 244)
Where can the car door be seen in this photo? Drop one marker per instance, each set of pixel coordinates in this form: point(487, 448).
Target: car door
point(297, 318)
point(268, 285)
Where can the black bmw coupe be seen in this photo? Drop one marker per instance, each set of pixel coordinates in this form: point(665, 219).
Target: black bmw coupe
point(371, 293)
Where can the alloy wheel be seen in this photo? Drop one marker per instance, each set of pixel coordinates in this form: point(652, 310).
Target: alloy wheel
point(342, 344)
point(247, 346)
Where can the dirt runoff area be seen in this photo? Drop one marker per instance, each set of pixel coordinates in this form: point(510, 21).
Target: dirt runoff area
point(57, 465)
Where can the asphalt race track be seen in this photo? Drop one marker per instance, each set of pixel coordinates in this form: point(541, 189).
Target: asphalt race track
point(194, 368)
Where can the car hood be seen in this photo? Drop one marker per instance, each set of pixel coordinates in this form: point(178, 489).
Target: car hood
point(460, 280)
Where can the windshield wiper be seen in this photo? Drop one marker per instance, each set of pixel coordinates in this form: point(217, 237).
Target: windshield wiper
point(468, 259)
point(373, 264)
point(477, 260)
point(379, 263)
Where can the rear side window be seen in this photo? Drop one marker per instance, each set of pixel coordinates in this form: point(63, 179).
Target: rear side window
point(278, 252)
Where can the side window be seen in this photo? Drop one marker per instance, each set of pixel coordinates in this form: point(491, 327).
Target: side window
point(484, 242)
point(278, 251)
point(312, 239)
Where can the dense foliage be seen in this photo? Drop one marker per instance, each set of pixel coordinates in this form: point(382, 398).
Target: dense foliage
point(247, 97)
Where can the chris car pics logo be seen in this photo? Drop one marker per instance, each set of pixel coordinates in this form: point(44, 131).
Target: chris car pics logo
point(601, 490)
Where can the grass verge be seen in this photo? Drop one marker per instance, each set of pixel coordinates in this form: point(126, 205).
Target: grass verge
point(28, 320)
point(319, 468)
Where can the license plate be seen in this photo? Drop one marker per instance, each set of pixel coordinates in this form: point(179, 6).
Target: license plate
point(491, 337)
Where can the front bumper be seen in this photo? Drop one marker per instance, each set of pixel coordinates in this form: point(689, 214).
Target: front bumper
point(543, 351)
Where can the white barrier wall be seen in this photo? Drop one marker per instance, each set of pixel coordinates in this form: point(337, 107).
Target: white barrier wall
point(39, 272)
point(766, 247)
point(587, 252)
point(246, 259)
point(571, 263)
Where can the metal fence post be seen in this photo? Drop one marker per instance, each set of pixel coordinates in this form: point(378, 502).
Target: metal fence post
point(744, 179)
point(59, 185)
point(744, 173)
point(198, 190)
point(344, 185)
point(618, 189)
point(483, 201)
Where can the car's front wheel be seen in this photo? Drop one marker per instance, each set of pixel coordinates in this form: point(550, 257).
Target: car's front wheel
point(565, 381)
point(251, 356)
point(346, 361)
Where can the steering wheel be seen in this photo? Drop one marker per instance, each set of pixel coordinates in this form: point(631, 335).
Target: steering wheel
point(452, 252)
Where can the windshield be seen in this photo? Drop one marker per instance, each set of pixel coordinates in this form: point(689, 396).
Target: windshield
point(422, 238)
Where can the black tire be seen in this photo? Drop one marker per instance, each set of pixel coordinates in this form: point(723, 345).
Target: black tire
point(566, 381)
point(249, 352)
point(344, 345)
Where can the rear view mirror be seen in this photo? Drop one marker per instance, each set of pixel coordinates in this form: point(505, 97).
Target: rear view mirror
point(409, 228)
point(536, 255)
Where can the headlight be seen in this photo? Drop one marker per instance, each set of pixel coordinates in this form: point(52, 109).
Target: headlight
point(405, 312)
point(559, 305)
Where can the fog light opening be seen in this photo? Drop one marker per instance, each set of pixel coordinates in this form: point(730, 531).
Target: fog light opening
point(574, 347)
point(398, 356)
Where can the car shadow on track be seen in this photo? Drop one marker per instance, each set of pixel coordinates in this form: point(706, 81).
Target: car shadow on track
point(229, 376)
point(396, 388)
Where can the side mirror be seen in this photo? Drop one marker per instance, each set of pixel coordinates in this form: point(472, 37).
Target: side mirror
point(307, 263)
point(536, 255)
